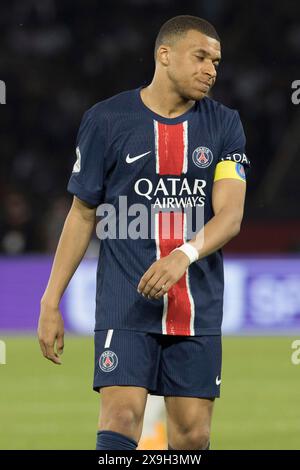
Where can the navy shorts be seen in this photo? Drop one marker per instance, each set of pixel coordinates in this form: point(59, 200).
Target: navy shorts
point(187, 366)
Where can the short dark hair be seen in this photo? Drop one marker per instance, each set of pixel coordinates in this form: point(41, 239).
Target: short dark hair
point(179, 25)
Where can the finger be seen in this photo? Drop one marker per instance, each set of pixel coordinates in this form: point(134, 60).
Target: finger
point(144, 279)
point(161, 281)
point(164, 289)
point(43, 347)
point(152, 282)
point(54, 358)
point(60, 344)
point(51, 355)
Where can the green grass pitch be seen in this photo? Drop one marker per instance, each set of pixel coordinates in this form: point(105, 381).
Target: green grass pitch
point(43, 406)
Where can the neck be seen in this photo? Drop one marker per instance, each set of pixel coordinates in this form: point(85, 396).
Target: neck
point(161, 98)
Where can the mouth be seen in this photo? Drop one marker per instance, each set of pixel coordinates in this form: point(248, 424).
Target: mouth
point(205, 85)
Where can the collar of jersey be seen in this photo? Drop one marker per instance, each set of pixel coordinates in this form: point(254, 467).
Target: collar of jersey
point(158, 117)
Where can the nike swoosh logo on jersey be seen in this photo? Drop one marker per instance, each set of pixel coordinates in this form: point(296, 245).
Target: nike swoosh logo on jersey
point(133, 159)
point(218, 381)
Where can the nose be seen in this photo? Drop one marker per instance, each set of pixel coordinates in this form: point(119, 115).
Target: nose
point(210, 70)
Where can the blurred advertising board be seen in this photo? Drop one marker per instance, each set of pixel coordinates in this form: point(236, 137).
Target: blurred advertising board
point(262, 295)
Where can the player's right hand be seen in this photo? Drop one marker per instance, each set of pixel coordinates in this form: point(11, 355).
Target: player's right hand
point(51, 332)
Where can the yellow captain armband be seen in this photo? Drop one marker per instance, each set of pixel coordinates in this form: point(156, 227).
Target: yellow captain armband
point(230, 169)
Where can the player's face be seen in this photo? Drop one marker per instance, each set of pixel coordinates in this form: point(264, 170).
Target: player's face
point(192, 65)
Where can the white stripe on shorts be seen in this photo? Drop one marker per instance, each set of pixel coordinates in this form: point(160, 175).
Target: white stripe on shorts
point(108, 338)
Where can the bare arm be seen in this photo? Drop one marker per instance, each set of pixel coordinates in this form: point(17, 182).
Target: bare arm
point(72, 245)
point(228, 199)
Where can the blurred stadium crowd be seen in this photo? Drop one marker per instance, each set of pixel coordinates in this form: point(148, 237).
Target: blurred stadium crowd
point(60, 57)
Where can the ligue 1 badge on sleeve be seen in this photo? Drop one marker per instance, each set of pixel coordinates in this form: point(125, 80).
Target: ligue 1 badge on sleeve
point(202, 157)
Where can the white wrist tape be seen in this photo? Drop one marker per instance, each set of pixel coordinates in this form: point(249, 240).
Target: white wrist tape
point(190, 251)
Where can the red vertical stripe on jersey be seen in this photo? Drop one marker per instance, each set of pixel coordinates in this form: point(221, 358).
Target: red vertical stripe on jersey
point(171, 147)
point(171, 227)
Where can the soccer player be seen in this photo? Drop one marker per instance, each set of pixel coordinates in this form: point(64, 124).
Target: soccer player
point(170, 150)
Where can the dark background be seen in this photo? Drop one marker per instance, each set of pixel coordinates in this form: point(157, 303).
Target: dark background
point(58, 58)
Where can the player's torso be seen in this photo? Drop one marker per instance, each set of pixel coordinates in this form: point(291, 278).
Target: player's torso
point(162, 169)
point(168, 166)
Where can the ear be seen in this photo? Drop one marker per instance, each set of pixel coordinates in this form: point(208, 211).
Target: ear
point(163, 55)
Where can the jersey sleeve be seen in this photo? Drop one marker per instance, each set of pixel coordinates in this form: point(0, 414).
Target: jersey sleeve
point(87, 179)
point(233, 150)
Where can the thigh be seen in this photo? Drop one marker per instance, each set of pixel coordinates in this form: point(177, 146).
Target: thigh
point(190, 367)
point(126, 358)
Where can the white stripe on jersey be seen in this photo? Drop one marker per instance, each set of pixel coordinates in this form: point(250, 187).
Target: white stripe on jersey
point(187, 274)
point(165, 297)
point(156, 145)
point(185, 146)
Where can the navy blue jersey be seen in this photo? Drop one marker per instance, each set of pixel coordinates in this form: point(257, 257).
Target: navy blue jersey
point(151, 171)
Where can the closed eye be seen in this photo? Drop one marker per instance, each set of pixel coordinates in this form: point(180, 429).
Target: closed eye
point(216, 64)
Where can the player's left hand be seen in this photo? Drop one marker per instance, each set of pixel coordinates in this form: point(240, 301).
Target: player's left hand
point(163, 274)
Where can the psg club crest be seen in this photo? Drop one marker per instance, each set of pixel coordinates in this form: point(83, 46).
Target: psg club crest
point(108, 361)
point(202, 157)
